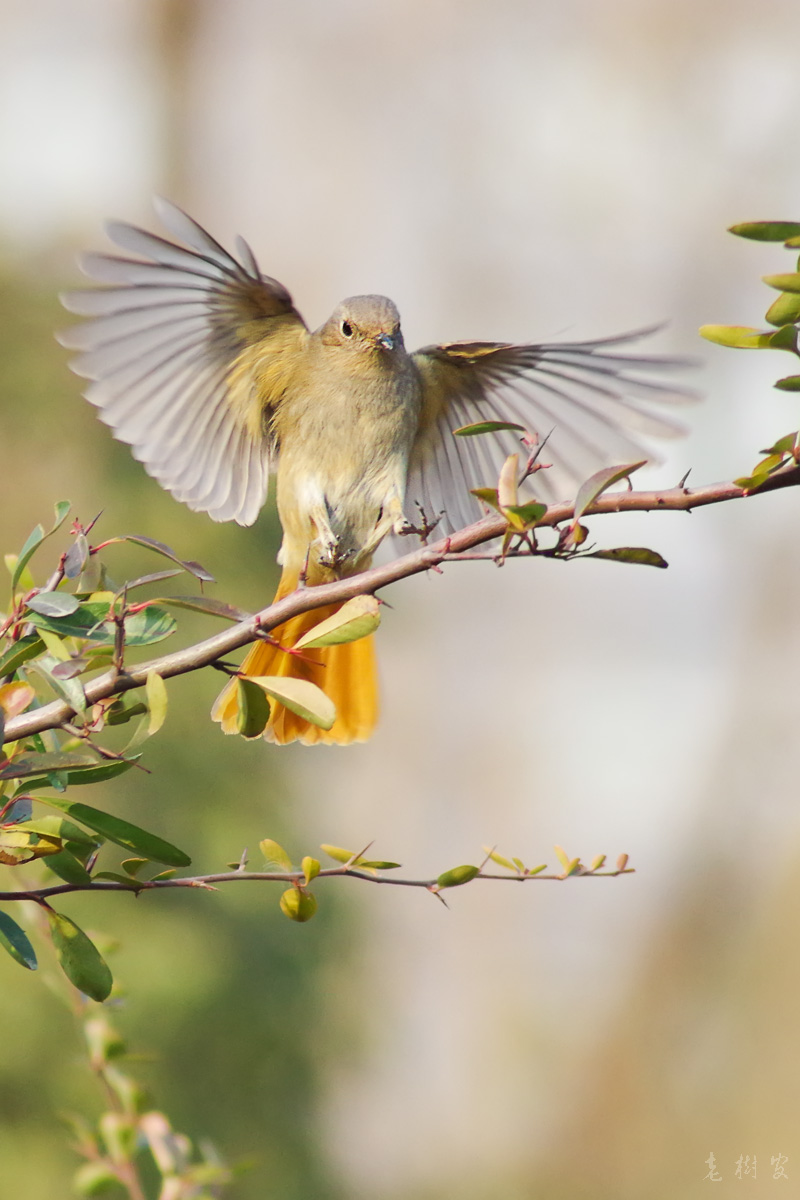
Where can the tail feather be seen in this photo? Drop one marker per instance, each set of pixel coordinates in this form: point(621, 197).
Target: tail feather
point(346, 673)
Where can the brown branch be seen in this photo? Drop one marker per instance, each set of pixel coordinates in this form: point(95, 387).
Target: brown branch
point(209, 882)
point(112, 683)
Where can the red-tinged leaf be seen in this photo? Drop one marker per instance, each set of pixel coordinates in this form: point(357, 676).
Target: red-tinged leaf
point(638, 555)
point(80, 959)
point(194, 568)
point(154, 577)
point(600, 482)
point(15, 941)
point(76, 557)
point(203, 604)
point(766, 231)
point(15, 698)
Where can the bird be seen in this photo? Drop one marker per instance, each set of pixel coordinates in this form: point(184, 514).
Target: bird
point(203, 365)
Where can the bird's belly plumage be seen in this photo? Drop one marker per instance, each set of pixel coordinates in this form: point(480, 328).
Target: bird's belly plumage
point(343, 473)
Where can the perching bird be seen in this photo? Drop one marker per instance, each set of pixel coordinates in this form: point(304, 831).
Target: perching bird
point(203, 365)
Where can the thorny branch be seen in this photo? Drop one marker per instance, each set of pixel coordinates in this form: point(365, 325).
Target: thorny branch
point(210, 882)
point(113, 682)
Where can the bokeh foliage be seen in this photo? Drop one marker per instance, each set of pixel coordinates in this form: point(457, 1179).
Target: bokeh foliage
point(230, 998)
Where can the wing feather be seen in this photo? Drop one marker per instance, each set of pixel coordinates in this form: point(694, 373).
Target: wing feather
point(588, 398)
point(164, 346)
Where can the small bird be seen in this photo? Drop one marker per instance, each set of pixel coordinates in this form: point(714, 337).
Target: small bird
point(203, 365)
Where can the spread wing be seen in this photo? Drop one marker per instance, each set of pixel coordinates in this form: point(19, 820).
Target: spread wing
point(590, 398)
point(187, 350)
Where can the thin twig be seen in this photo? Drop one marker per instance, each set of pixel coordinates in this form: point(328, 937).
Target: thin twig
point(679, 499)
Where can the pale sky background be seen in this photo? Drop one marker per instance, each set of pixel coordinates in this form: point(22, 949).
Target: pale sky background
point(519, 171)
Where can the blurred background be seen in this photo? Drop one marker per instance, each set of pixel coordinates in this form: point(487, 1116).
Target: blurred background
point(516, 170)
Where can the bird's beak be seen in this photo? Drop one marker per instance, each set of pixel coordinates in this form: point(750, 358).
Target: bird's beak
point(385, 341)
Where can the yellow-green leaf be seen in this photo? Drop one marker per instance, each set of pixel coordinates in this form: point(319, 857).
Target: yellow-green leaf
point(275, 854)
point(336, 852)
point(298, 905)
point(156, 691)
point(785, 310)
point(784, 283)
point(301, 697)
point(311, 868)
point(738, 337)
point(357, 618)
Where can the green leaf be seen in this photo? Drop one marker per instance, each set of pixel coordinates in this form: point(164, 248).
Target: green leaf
point(69, 690)
point(124, 710)
point(156, 692)
point(58, 827)
point(766, 231)
point(298, 905)
point(42, 764)
point(336, 852)
point(789, 383)
point(356, 619)
point(456, 876)
point(524, 516)
point(32, 542)
point(53, 604)
point(90, 770)
point(15, 941)
point(376, 864)
point(784, 338)
point(486, 427)
point(487, 496)
point(253, 709)
point(89, 621)
point(80, 959)
point(35, 539)
point(596, 484)
point(67, 867)
point(630, 554)
point(96, 1178)
point(783, 283)
point(785, 310)
point(275, 854)
point(132, 866)
point(149, 625)
point(299, 696)
point(129, 836)
point(20, 652)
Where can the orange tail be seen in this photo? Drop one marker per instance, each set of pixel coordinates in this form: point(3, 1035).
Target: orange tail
point(345, 673)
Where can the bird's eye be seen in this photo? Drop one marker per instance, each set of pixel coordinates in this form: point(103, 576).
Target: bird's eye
point(347, 329)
